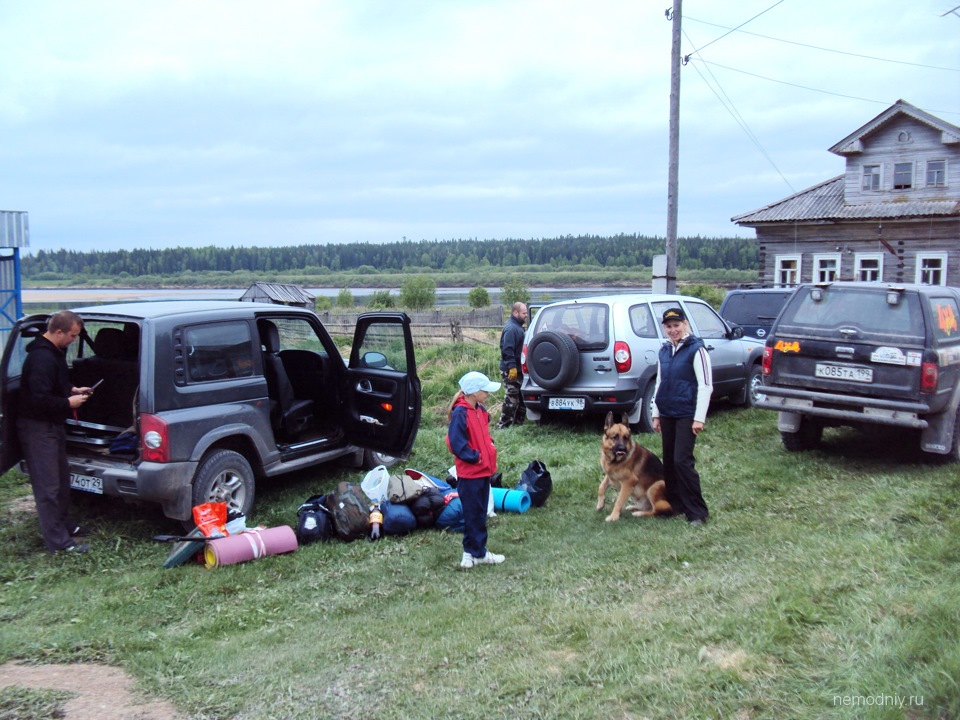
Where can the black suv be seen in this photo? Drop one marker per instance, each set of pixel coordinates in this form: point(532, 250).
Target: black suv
point(861, 354)
point(200, 400)
point(754, 309)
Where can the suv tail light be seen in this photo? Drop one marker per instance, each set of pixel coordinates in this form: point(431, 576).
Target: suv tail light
point(929, 377)
point(621, 356)
point(767, 365)
point(154, 439)
point(523, 360)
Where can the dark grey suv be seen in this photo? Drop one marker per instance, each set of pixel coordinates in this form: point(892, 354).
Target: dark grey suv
point(862, 354)
point(200, 400)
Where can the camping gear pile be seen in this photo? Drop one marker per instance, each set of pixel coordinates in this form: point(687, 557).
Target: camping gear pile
point(397, 504)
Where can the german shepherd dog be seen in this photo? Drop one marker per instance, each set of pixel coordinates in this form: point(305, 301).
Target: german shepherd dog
point(633, 470)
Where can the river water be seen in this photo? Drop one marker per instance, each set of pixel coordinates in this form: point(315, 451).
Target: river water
point(61, 298)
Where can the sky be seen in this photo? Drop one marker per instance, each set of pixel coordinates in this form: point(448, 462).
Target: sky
point(161, 123)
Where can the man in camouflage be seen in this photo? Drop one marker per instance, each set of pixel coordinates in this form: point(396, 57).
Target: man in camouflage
point(513, 411)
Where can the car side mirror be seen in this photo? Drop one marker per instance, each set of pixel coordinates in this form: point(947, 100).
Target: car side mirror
point(736, 332)
point(374, 360)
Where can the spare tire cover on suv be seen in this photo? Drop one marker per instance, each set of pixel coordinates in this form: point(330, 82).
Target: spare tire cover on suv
point(553, 360)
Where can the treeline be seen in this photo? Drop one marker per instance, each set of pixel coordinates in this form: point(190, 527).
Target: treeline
point(620, 252)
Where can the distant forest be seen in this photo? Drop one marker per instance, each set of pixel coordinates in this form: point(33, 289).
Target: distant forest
point(584, 251)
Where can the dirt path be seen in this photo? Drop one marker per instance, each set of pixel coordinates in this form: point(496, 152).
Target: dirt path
point(101, 691)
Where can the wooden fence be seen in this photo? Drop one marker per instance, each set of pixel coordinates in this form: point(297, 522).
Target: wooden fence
point(429, 326)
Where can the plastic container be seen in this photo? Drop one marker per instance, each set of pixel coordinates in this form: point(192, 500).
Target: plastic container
point(374, 484)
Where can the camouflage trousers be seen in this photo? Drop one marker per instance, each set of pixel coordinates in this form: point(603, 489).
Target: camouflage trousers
point(513, 411)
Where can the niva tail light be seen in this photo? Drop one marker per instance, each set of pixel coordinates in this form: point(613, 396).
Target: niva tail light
point(767, 365)
point(621, 356)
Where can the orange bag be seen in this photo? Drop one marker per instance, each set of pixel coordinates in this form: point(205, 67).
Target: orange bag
point(211, 519)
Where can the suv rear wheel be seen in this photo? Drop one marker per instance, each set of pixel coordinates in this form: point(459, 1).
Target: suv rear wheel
point(225, 476)
point(806, 438)
point(646, 409)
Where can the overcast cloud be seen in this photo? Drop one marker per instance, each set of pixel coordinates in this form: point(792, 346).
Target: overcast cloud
point(136, 124)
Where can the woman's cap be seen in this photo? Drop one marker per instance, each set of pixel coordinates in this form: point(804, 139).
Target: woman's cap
point(673, 314)
point(475, 381)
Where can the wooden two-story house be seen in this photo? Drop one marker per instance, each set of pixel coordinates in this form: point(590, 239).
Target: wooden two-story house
point(893, 216)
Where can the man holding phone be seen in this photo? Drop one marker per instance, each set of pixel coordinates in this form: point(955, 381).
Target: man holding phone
point(47, 399)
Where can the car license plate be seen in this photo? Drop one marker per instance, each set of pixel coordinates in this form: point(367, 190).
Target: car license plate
point(843, 372)
point(566, 404)
point(87, 483)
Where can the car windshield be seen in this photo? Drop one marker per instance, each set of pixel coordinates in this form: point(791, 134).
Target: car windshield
point(586, 323)
point(824, 311)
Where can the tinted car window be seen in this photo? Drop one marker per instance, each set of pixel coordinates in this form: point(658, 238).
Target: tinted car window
point(218, 351)
point(586, 323)
point(383, 346)
point(824, 311)
point(642, 322)
point(753, 308)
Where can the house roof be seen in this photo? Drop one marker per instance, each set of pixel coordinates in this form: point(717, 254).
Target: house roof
point(853, 143)
point(824, 202)
point(281, 293)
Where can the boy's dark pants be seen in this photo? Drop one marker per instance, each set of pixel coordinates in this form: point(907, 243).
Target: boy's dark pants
point(474, 496)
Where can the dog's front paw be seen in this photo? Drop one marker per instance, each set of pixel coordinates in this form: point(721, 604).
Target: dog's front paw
point(599, 506)
point(612, 518)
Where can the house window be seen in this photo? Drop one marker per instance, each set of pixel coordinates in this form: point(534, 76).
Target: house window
point(902, 176)
point(871, 177)
point(931, 269)
point(788, 271)
point(936, 173)
point(826, 268)
point(868, 267)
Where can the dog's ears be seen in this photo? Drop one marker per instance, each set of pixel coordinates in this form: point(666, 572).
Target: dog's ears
point(609, 421)
point(625, 420)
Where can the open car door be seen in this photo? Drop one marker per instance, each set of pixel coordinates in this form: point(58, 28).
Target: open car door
point(11, 367)
point(382, 391)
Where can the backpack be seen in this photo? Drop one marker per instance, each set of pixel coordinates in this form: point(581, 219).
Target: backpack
point(403, 488)
point(451, 517)
point(538, 483)
point(427, 507)
point(314, 521)
point(350, 510)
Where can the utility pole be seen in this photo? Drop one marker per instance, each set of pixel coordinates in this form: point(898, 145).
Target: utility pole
point(673, 169)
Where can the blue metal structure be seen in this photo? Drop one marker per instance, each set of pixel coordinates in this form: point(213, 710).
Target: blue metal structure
point(14, 234)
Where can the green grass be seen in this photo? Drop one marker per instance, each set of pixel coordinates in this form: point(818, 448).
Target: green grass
point(827, 585)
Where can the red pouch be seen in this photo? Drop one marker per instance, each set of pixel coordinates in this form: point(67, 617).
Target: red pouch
point(211, 519)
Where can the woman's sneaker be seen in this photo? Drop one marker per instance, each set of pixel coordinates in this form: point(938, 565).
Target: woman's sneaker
point(489, 559)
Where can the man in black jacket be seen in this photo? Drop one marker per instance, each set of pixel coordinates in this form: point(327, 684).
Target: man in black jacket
point(47, 399)
point(513, 411)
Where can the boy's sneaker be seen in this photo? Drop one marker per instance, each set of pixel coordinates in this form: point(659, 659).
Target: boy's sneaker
point(489, 559)
point(467, 561)
point(82, 548)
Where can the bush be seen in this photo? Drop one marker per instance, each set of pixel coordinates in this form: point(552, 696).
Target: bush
point(345, 298)
point(710, 293)
point(323, 303)
point(514, 291)
point(478, 297)
point(418, 292)
point(381, 300)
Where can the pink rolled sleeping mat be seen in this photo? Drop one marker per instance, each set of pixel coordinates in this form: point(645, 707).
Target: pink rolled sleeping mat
point(249, 545)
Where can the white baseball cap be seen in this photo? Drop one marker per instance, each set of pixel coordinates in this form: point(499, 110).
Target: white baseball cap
point(475, 381)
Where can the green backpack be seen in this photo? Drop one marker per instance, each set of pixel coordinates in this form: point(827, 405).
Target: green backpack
point(350, 509)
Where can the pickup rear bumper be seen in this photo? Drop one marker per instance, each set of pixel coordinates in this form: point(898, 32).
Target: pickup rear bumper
point(846, 409)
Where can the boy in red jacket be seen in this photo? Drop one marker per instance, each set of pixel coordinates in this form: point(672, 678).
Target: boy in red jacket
point(468, 438)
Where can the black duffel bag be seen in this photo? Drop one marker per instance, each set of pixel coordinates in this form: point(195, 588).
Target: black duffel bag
point(537, 482)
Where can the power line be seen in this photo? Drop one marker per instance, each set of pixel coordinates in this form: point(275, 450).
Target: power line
point(816, 47)
point(739, 26)
point(825, 92)
point(729, 106)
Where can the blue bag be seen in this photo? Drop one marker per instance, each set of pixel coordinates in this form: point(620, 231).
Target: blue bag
point(398, 519)
point(451, 517)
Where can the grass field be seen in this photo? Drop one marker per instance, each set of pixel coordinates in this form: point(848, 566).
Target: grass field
point(827, 585)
